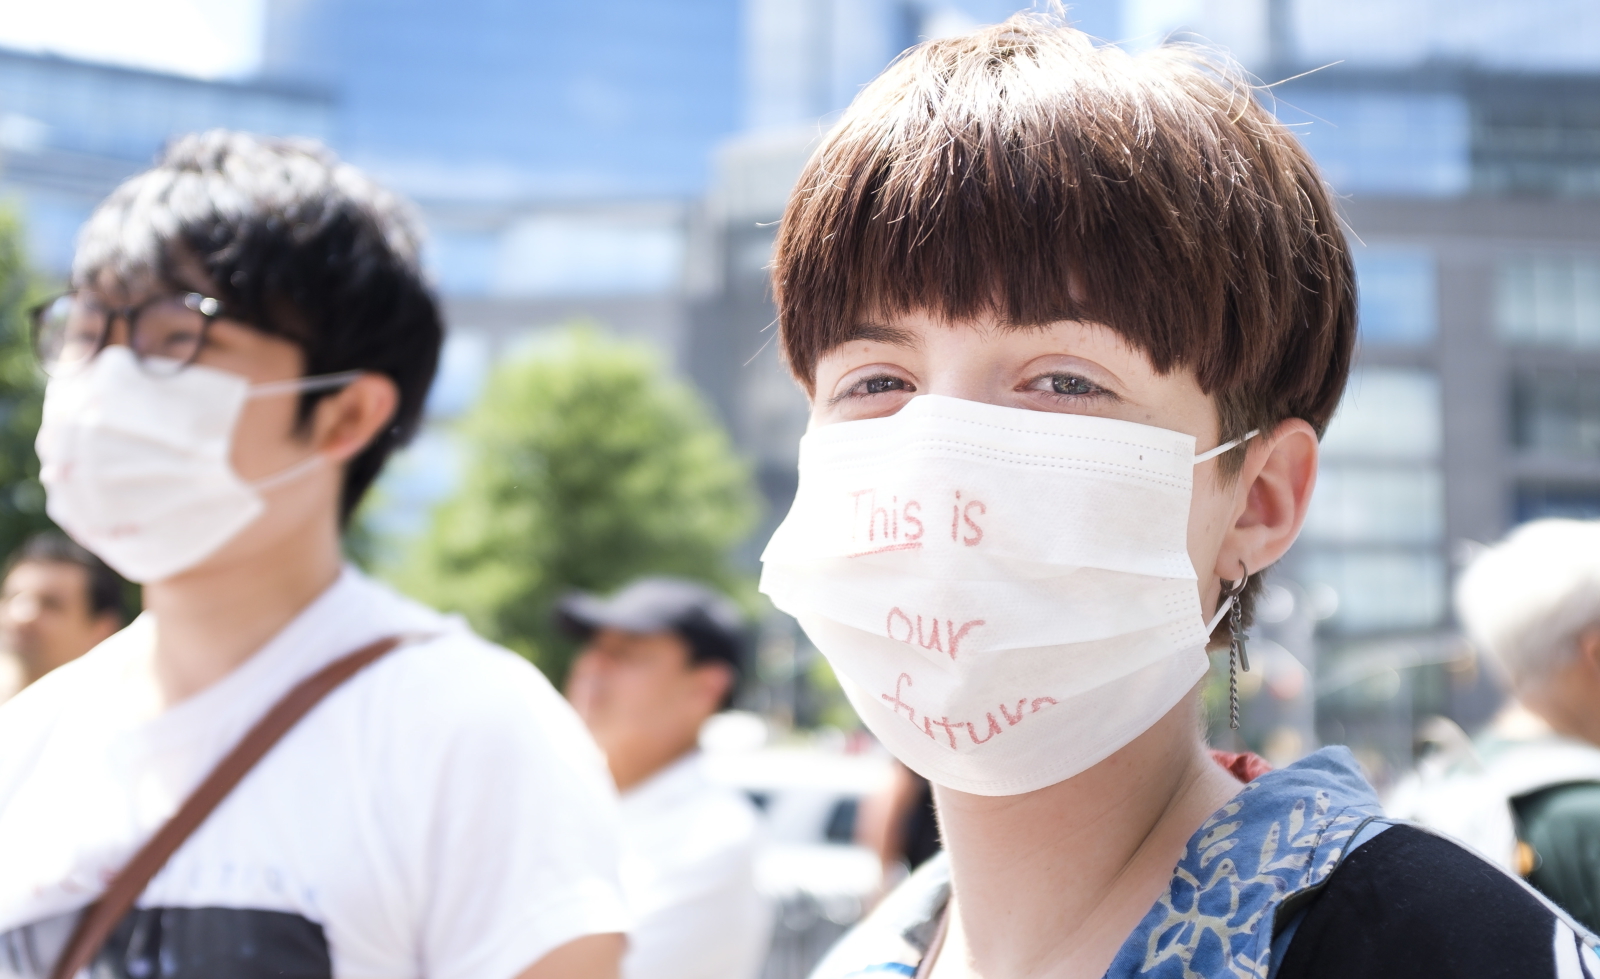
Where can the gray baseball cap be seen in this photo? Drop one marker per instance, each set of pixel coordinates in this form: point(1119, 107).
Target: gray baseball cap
point(707, 620)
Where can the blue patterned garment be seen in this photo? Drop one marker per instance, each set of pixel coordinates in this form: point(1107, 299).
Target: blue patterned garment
point(1282, 835)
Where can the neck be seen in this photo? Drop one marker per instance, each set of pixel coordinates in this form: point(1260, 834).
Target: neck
point(1564, 710)
point(1051, 882)
point(632, 769)
point(211, 619)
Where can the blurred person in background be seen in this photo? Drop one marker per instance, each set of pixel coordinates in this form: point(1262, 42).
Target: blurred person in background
point(659, 658)
point(57, 602)
point(248, 338)
point(1526, 792)
point(1071, 322)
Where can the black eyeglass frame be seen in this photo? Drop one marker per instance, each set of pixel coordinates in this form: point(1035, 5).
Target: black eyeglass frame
point(209, 308)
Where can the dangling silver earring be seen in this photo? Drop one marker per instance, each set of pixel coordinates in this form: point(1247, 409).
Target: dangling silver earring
point(1237, 657)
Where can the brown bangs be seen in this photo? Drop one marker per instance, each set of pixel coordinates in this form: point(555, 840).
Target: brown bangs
point(1023, 173)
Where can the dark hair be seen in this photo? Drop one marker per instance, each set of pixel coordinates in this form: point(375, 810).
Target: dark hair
point(712, 642)
point(709, 623)
point(107, 591)
point(297, 245)
point(1022, 172)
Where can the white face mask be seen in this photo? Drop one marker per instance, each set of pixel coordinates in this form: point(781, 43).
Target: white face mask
point(136, 466)
point(1005, 595)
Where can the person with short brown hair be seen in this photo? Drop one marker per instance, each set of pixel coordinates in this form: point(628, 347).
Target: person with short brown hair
point(1071, 322)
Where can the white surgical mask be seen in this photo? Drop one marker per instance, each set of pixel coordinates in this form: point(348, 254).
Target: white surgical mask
point(1005, 595)
point(136, 467)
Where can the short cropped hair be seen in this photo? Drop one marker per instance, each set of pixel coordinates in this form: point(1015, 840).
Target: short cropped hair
point(1526, 600)
point(107, 591)
point(1022, 172)
point(298, 245)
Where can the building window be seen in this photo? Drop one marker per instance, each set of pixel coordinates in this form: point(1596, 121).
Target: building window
point(1381, 589)
point(1398, 306)
point(1387, 413)
point(1358, 504)
point(1535, 502)
point(541, 256)
point(1375, 529)
point(1557, 412)
point(1549, 300)
point(1386, 142)
point(1528, 144)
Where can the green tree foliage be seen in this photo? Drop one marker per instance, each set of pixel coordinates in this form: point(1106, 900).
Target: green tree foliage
point(21, 393)
point(586, 466)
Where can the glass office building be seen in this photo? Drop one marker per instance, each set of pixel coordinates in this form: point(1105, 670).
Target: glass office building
point(1467, 151)
point(70, 131)
point(487, 100)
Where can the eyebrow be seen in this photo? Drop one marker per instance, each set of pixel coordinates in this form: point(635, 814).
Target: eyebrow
point(879, 333)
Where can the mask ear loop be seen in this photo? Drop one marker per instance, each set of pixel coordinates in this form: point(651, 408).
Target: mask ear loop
point(1237, 657)
point(298, 385)
point(289, 475)
point(303, 385)
point(1224, 447)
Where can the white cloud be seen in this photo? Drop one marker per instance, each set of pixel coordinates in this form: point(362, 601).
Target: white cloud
point(204, 38)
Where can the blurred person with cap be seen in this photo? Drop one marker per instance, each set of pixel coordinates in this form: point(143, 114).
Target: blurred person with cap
point(58, 602)
point(659, 658)
point(1526, 792)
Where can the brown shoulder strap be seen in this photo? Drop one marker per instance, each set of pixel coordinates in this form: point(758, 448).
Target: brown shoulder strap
point(100, 918)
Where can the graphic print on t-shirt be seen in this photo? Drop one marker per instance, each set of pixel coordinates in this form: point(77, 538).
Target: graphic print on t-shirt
point(327, 850)
point(181, 943)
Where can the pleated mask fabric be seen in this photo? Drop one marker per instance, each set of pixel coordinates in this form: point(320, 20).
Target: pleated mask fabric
point(1006, 595)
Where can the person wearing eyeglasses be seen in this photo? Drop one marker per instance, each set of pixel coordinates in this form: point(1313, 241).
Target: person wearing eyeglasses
point(247, 340)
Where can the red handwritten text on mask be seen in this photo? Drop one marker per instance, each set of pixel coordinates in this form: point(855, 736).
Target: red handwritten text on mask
point(906, 628)
point(945, 731)
point(882, 522)
point(885, 525)
point(962, 513)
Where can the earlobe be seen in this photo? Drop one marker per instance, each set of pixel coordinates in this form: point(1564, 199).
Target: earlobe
point(1273, 494)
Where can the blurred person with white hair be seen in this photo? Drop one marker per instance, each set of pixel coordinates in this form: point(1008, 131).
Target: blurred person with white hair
point(1526, 792)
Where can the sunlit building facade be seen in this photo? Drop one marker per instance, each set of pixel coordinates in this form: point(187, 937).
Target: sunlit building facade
point(71, 130)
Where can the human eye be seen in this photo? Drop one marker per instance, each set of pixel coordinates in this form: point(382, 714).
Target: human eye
point(872, 385)
point(1069, 387)
point(883, 385)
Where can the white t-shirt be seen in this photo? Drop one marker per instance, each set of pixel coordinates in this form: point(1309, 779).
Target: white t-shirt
point(688, 870)
point(443, 814)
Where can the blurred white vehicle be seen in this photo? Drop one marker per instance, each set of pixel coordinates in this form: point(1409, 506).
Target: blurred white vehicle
point(820, 880)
